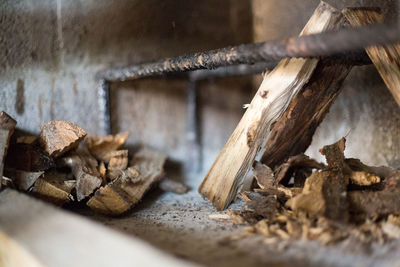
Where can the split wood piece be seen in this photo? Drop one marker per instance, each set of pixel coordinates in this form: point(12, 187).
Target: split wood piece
point(28, 157)
point(169, 185)
point(118, 160)
point(292, 133)
point(54, 187)
point(385, 58)
point(364, 178)
point(23, 180)
point(103, 172)
point(383, 172)
point(311, 200)
point(7, 126)
point(29, 139)
point(299, 167)
point(324, 193)
point(392, 226)
point(334, 189)
point(124, 192)
point(263, 206)
point(278, 88)
point(100, 147)
point(263, 175)
point(281, 192)
point(373, 204)
point(84, 169)
point(129, 173)
point(58, 137)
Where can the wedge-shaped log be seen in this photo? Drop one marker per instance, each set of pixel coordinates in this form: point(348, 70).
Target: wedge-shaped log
point(7, 126)
point(129, 187)
point(278, 88)
point(59, 137)
point(385, 58)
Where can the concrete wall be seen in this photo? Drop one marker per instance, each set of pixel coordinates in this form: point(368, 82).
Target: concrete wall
point(50, 50)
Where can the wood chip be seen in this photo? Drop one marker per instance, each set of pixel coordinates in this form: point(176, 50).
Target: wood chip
point(236, 217)
point(218, 216)
point(28, 157)
point(125, 191)
point(311, 200)
point(383, 172)
point(364, 178)
point(7, 126)
point(22, 179)
point(118, 160)
point(263, 175)
point(27, 139)
point(59, 137)
point(99, 147)
point(263, 206)
point(169, 185)
point(335, 186)
point(296, 164)
point(372, 204)
point(103, 172)
point(130, 174)
point(392, 230)
point(84, 169)
point(54, 187)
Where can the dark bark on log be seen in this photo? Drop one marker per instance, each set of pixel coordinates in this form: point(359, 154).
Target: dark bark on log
point(293, 132)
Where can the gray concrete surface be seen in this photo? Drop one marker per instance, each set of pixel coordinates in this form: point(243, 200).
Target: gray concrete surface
point(180, 225)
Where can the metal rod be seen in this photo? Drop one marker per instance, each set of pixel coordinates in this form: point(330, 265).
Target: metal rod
point(338, 43)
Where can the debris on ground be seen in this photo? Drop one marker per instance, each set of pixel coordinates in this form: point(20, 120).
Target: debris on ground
point(307, 200)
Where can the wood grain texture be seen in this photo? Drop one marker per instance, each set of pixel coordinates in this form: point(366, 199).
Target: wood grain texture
point(54, 187)
point(84, 167)
point(293, 132)
point(59, 137)
point(129, 187)
point(278, 88)
point(385, 58)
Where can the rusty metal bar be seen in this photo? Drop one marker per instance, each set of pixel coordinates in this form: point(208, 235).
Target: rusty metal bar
point(338, 43)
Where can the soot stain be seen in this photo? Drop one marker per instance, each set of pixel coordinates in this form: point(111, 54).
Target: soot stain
point(20, 97)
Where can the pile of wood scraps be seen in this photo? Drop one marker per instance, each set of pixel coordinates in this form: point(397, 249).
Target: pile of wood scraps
point(64, 165)
point(304, 199)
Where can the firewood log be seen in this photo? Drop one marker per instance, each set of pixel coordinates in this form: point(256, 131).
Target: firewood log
point(278, 88)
